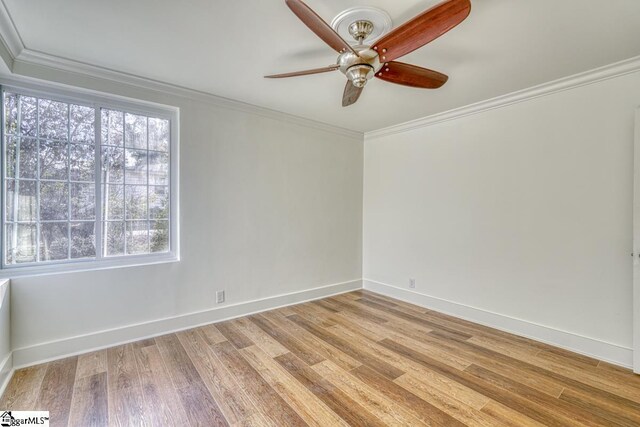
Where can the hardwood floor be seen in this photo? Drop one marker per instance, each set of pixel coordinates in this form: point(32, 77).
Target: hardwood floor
point(358, 359)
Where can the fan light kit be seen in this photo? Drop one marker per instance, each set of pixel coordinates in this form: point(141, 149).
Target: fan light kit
point(360, 62)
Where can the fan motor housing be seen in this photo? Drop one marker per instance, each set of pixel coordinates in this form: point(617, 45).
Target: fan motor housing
point(362, 67)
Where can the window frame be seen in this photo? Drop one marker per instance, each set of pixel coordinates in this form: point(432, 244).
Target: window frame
point(97, 101)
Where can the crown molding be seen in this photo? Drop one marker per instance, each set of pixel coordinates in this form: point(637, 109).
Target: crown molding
point(23, 58)
point(617, 69)
point(30, 58)
point(9, 35)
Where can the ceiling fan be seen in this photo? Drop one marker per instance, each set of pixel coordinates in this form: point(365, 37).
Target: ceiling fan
point(361, 62)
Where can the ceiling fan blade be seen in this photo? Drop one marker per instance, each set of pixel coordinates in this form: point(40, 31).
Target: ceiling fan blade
point(319, 26)
point(351, 94)
point(304, 73)
point(422, 29)
point(411, 75)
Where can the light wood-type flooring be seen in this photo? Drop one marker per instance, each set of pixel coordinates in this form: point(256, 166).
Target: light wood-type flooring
point(357, 359)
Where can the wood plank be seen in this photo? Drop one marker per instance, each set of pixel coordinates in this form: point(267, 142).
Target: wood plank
point(89, 406)
point(387, 410)
point(415, 319)
point(234, 403)
point(57, 389)
point(615, 412)
point(23, 388)
point(162, 403)
point(339, 402)
point(508, 416)
point(347, 304)
point(559, 407)
point(313, 411)
point(514, 401)
point(325, 350)
point(446, 403)
point(424, 410)
point(450, 346)
point(352, 350)
point(565, 375)
point(126, 402)
point(211, 334)
point(92, 363)
point(453, 359)
point(260, 392)
point(201, 408)
point(260, 337)
point(304, 352)
point(231, 333)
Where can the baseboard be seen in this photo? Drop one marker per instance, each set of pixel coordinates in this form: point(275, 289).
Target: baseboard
point(6, 372)
point(597, 349)
point(40, 353)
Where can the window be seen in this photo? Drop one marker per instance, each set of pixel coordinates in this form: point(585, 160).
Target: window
point(83, 181)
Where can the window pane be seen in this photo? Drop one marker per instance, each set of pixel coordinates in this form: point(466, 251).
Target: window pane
point(82, 162)
point(159, 236)
point(28, 117)
point(54, 201)
point(158, 168)
point(112, 127)
point(135, 167)
point(135, 131)
point(158, 134)
point(22, 157)
point(50, 178)
point(21, 204)
point(20, 243)
point(159, 202)
point(83, 201)
point(10, 113)
point(54, 120)
point(137, 237)
point(112, 165)
point(54, 160)
point(113, 202)
point(136, 201)
point(54, 241)
point(82, 124)
point(83, 240)
point(113, 235)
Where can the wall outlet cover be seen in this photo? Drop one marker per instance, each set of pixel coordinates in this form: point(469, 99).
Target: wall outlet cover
point(219, 297)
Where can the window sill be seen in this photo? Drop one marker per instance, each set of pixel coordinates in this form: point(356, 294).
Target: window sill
point(88, 265)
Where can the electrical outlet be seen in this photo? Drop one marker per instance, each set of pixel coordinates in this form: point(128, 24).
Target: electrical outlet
point(412, 283)
point(219, 297)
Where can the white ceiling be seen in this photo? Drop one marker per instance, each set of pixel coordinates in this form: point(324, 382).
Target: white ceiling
point(225, 47)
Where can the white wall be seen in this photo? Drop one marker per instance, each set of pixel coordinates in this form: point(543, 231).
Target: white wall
point(524, 211)
point(6, 360)
point(268, 206)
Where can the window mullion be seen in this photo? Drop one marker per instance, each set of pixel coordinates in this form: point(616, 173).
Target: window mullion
point(38, 180)
point(98, 182)
point(69, 181)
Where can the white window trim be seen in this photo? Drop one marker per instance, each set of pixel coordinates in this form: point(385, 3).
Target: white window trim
point(100, 100)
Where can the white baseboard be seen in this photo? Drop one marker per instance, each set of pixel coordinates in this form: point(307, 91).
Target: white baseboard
point(40, 353)
point(597, 349)
point(6, 372)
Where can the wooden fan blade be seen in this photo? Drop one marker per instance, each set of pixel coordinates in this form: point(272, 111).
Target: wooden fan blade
point(411, 75)
point(319, 26)
point(351, 94)
point(422, 29)
point(304, 73)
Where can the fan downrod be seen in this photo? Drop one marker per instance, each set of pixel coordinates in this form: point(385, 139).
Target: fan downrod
point(361, 30)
